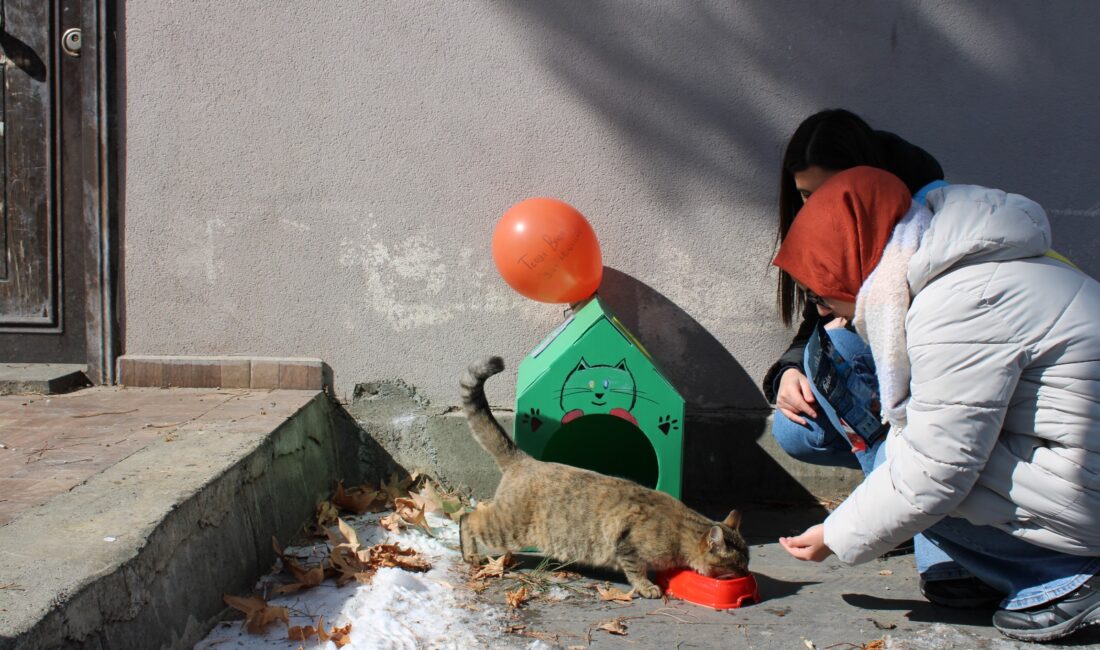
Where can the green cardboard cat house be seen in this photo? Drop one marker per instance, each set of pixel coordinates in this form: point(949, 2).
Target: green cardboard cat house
point(589, 395)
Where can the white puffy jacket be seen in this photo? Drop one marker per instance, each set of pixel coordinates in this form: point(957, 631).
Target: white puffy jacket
point(1003, 420)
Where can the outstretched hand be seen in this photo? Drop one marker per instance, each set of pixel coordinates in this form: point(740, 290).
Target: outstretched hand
point(810, 545)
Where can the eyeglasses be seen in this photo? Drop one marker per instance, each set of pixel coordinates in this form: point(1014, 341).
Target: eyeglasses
point(815, 299)
point(812, 297)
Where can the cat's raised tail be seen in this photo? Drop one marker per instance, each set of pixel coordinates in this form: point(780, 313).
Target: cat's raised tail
point(487, 431)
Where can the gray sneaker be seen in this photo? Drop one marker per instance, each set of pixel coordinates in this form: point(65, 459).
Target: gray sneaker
point(1056, 619)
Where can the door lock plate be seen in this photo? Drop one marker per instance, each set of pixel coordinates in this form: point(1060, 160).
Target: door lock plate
point(71, 41)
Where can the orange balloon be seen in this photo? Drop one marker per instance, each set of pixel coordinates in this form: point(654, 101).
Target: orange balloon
point(547, 251)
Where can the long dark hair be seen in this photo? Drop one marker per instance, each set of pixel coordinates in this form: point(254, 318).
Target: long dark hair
point(836, 139)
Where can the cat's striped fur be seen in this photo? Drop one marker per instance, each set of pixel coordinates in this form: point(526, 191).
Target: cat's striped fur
point(580, 516)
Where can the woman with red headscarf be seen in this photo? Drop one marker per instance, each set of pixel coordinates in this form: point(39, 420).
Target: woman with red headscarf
point(988, 363)
point(806, 424)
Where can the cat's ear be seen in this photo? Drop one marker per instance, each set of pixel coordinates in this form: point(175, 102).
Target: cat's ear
point(621, 365)
point(715, 539)
point(733, 520)
point(581, 365)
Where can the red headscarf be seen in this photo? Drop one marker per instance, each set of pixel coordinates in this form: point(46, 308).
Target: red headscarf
point(838, 237)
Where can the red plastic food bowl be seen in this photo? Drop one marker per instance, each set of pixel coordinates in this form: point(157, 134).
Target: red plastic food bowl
point(719, 593)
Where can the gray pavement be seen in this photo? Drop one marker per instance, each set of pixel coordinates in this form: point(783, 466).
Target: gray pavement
point(803, 605)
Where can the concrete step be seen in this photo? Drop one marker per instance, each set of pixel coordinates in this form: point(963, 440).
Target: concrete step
point(41, 378)
point(151, 504)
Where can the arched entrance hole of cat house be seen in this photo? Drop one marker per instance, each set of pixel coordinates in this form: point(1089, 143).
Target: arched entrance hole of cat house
point(606, 444)
point(591, 396)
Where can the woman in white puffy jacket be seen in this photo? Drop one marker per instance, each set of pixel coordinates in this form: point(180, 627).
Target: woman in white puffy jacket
point(987, 349)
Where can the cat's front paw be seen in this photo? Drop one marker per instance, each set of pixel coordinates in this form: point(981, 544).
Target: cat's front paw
point(473, 559)
point(647, 590)
point(466, 542)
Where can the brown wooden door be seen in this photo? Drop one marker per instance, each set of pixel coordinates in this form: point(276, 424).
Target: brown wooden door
point(43, 238)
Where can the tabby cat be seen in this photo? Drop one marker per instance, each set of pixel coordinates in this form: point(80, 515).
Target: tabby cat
point(576, 515)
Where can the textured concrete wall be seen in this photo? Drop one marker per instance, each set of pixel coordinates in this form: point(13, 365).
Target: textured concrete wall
point(317, 178)
point(728, 463)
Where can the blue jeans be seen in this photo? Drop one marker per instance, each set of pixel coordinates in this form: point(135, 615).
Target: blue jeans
point(953, 548)
point(1027, 574)
point(819, 443)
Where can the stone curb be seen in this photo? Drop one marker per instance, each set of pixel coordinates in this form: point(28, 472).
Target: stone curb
point(155, 371)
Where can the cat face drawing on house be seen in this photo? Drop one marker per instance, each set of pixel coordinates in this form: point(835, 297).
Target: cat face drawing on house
point(599, 388)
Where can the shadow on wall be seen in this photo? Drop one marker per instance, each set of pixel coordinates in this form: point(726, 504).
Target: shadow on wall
point(697, 364)
point(362, 458)
point(724, 464)
point(707, 92)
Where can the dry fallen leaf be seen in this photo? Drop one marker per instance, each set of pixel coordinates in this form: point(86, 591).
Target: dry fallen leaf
point(350, 566)
point(477, 586)
point(886, 572)
point(396, 488)
point(392, 555)
point(495, 567)
point(258, 614)
point(345, 557)
point(518, 597)
point(392, 522)
point(877, 644)
point(359, 499)
point(306, 577)
point(433, 500)
point(614, 626)
point(338, 635)
point(349, 562)
point(615, 594)
point(327, 513)
point(428, 498)
point(412, 513)
point(350, 538)
point(302, 633)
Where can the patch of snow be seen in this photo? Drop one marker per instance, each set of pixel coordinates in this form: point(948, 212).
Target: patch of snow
point(397, 610)
point(557, 594)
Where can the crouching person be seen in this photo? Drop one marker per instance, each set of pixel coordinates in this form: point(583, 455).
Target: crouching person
point(987, 355)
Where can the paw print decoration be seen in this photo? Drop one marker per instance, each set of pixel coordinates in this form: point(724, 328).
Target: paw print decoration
point(667, 423)
point(532, 420)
